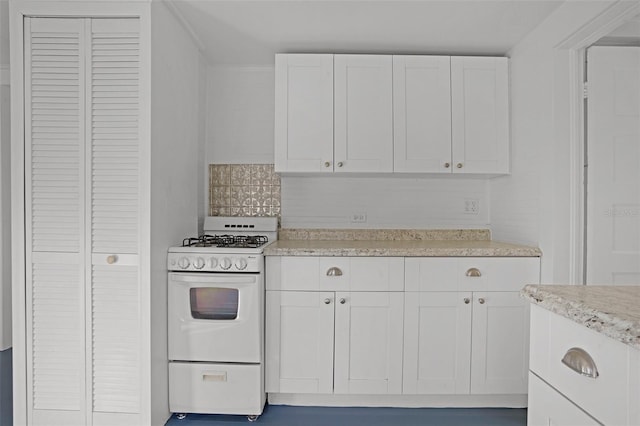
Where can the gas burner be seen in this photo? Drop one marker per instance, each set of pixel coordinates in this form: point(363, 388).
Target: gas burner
point(232, 241)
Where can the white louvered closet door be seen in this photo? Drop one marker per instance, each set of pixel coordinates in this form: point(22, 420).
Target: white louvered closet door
point(82, 220)
point(113, 105)
point(54, 205)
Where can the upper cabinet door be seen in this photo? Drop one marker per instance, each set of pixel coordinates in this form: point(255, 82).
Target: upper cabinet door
point(304, 113)
point(480, 114)
point(363, 113)
point(422, 114)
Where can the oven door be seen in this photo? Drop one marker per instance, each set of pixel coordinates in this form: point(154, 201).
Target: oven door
point(215, 317)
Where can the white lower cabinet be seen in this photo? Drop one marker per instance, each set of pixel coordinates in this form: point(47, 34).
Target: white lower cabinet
point(334, 342)
point(380, 325)
point(342, 342)
point(610, 396)
point(467, 342)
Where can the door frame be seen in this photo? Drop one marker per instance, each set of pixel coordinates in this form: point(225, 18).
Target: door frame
point(572, 51)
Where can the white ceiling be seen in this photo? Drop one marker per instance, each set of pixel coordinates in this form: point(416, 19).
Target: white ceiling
point(250, 32)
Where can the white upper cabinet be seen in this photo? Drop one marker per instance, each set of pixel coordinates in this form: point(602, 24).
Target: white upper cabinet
point(363, 113)
point(480, 114)
point(304, 113)
point(392, 113)
point(422, 114)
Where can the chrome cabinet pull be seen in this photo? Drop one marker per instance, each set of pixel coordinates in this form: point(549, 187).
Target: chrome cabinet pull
point(334, 272)
point(481, 301)
point(343, 301)
point(467, 300)
point(447, 165)
point(112, 259)
point(327, 164)
point(473, 272)
point(327, 301)
point(459, 165)
point(340, 164)
point(581, 362)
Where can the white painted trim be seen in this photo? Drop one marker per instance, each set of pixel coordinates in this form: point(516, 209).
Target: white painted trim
point(5, 74)
point(576, 46)
point(618, 13)
point(576, 167)
point(407, 401)
point(185, 24)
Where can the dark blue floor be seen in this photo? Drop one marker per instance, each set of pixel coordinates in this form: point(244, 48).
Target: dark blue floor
point(6, 390)
point(282, 415)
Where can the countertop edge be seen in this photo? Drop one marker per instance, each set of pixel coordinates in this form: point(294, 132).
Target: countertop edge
point(605, 323)
point(404, 252)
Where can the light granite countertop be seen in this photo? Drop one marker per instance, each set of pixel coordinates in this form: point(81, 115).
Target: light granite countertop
point(611, 310)
point(394, 242)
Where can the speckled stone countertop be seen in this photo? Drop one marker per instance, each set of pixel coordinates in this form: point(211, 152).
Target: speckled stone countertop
point(611, 310)
point(394, 242)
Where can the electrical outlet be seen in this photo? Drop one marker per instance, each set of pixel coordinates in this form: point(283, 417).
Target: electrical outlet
point(471, 206)
point(358, 218)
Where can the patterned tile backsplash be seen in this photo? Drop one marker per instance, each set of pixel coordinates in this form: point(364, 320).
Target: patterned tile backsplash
point(243, 190)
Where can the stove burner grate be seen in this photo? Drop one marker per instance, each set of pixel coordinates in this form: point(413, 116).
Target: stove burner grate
point(232, 241)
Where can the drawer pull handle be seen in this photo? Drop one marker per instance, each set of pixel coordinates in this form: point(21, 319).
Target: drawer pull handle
point(343, 301)
point(327, 301)
point(112, 259)
point(473, 272)
point(334, 272)
point(581, 362)
point(467, 300)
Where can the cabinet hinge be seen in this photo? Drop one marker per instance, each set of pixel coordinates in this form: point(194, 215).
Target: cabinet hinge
point(585, 90)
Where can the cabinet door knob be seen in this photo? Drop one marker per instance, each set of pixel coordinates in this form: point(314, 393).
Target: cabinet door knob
point(343, 301)
point(327, 301)
point(467, 300)
point(447, 165)
point(459, 165)
point(473, 272)
point(581, 362)
point(334, 272)
point(327, 164)
point(481, 301)
point(340, 164)
point(112, 259)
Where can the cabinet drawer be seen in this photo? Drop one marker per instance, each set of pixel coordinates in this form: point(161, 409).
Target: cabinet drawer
point(335, 273)
point(471, 273)
point(215, 388)
point(606, 397)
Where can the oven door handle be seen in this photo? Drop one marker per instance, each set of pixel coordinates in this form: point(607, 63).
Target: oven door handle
point(210, 279)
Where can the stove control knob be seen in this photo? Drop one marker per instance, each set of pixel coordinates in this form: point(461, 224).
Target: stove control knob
point(198, 263)
point(183, 263)
point(225, 263)
point(241, 264)
point(213, 262)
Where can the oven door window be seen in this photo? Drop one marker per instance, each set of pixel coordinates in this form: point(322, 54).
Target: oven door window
point(211, 303)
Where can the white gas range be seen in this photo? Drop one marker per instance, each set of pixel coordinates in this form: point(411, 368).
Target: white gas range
point(216, 318)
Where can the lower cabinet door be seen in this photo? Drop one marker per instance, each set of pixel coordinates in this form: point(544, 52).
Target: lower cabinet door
point(368, 342)
point(299, 341)
point(549, 407)
point(437, 343)
point(500, 343)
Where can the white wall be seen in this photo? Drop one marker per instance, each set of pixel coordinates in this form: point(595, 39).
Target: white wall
point(388, 202)
point(532, 206)
point(175, 175)
point(240, 115)
point(5, 183)
point(240, 119)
